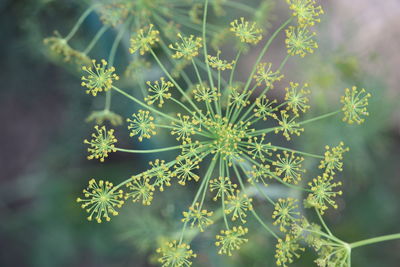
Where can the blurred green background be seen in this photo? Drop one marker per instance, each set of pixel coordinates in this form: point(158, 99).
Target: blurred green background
point(43, 165)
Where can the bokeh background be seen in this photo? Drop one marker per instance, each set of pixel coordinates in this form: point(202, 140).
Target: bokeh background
point(42, 158)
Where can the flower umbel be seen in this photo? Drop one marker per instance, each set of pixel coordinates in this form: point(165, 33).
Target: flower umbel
point(101, 144)
point(237, 205)
point(323, 192)
point(175, 254)
point(100, 200)
point(140, 189)
point(286, 250)
point(355, 104)
point(197, 217)
point(306, 11)
point(333, 158)
point(230, 240)
point(296, 98)
point(144, 40)
point(100, 78)
point(288, 126)
point(266, 75)
point(285, 213)
point(142, 125)
point(299, 41)
point(218, 63)
point(188, 48)
point(158, 92)
point(247, 32)
point(289, 166)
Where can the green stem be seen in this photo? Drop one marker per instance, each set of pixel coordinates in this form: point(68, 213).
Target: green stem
point(375, 240)
point(79, 22)
point(298, 152)
point(111, 57)
point(320, 117)
point(323, 222)
point(149, 150)
point(95, 39)
point(205, 44)
point(264, 195)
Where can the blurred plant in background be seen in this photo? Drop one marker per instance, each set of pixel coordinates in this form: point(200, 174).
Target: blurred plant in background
point(31, 200)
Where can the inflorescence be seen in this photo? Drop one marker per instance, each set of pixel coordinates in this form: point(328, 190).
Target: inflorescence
point(221, 135)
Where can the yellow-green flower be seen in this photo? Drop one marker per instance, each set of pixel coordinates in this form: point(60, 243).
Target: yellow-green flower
point(185, 127)
point(246, 31)
point(296, 98)
point(197, 217)
point(323, 192)
point(285, 213)
point(258, 149)
point(299, 41)
point(142, 124)
point(101, 199)
point(101, 144)
point(355, 104)
point(175, 254)
point(306, 11)
point(218, 63)
point(287, 250)
point(144, 40)
point(237, 205)
point(224, 187)
point(230, 240)
point(333, 158)
point(264, 107)
point(188, 48)
point(60, 46)
point(289, 166)
point(158, 92)
point(140, 189)
point(205, 93)
point(266, 75)
point(287, 126)
point(100, 78)
point(160, 171)
point(184, 170)
point(259, 174)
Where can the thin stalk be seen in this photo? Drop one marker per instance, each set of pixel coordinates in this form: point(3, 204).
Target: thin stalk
point(375, 240)
point(320, 117)
point(149, 150)
point(95, 39)
point(323, 222)
point(79, 22)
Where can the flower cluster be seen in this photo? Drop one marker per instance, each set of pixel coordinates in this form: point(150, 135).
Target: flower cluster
point(101, 199)
point(101, 144)
point(355, 104)
point(100, 77)
point(246, 31)
point(176, 254)
point(188, 48)
point(220, 141)
point(144, 40)
point(230, 240)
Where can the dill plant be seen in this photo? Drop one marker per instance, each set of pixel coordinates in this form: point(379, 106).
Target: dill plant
point(222, 139)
